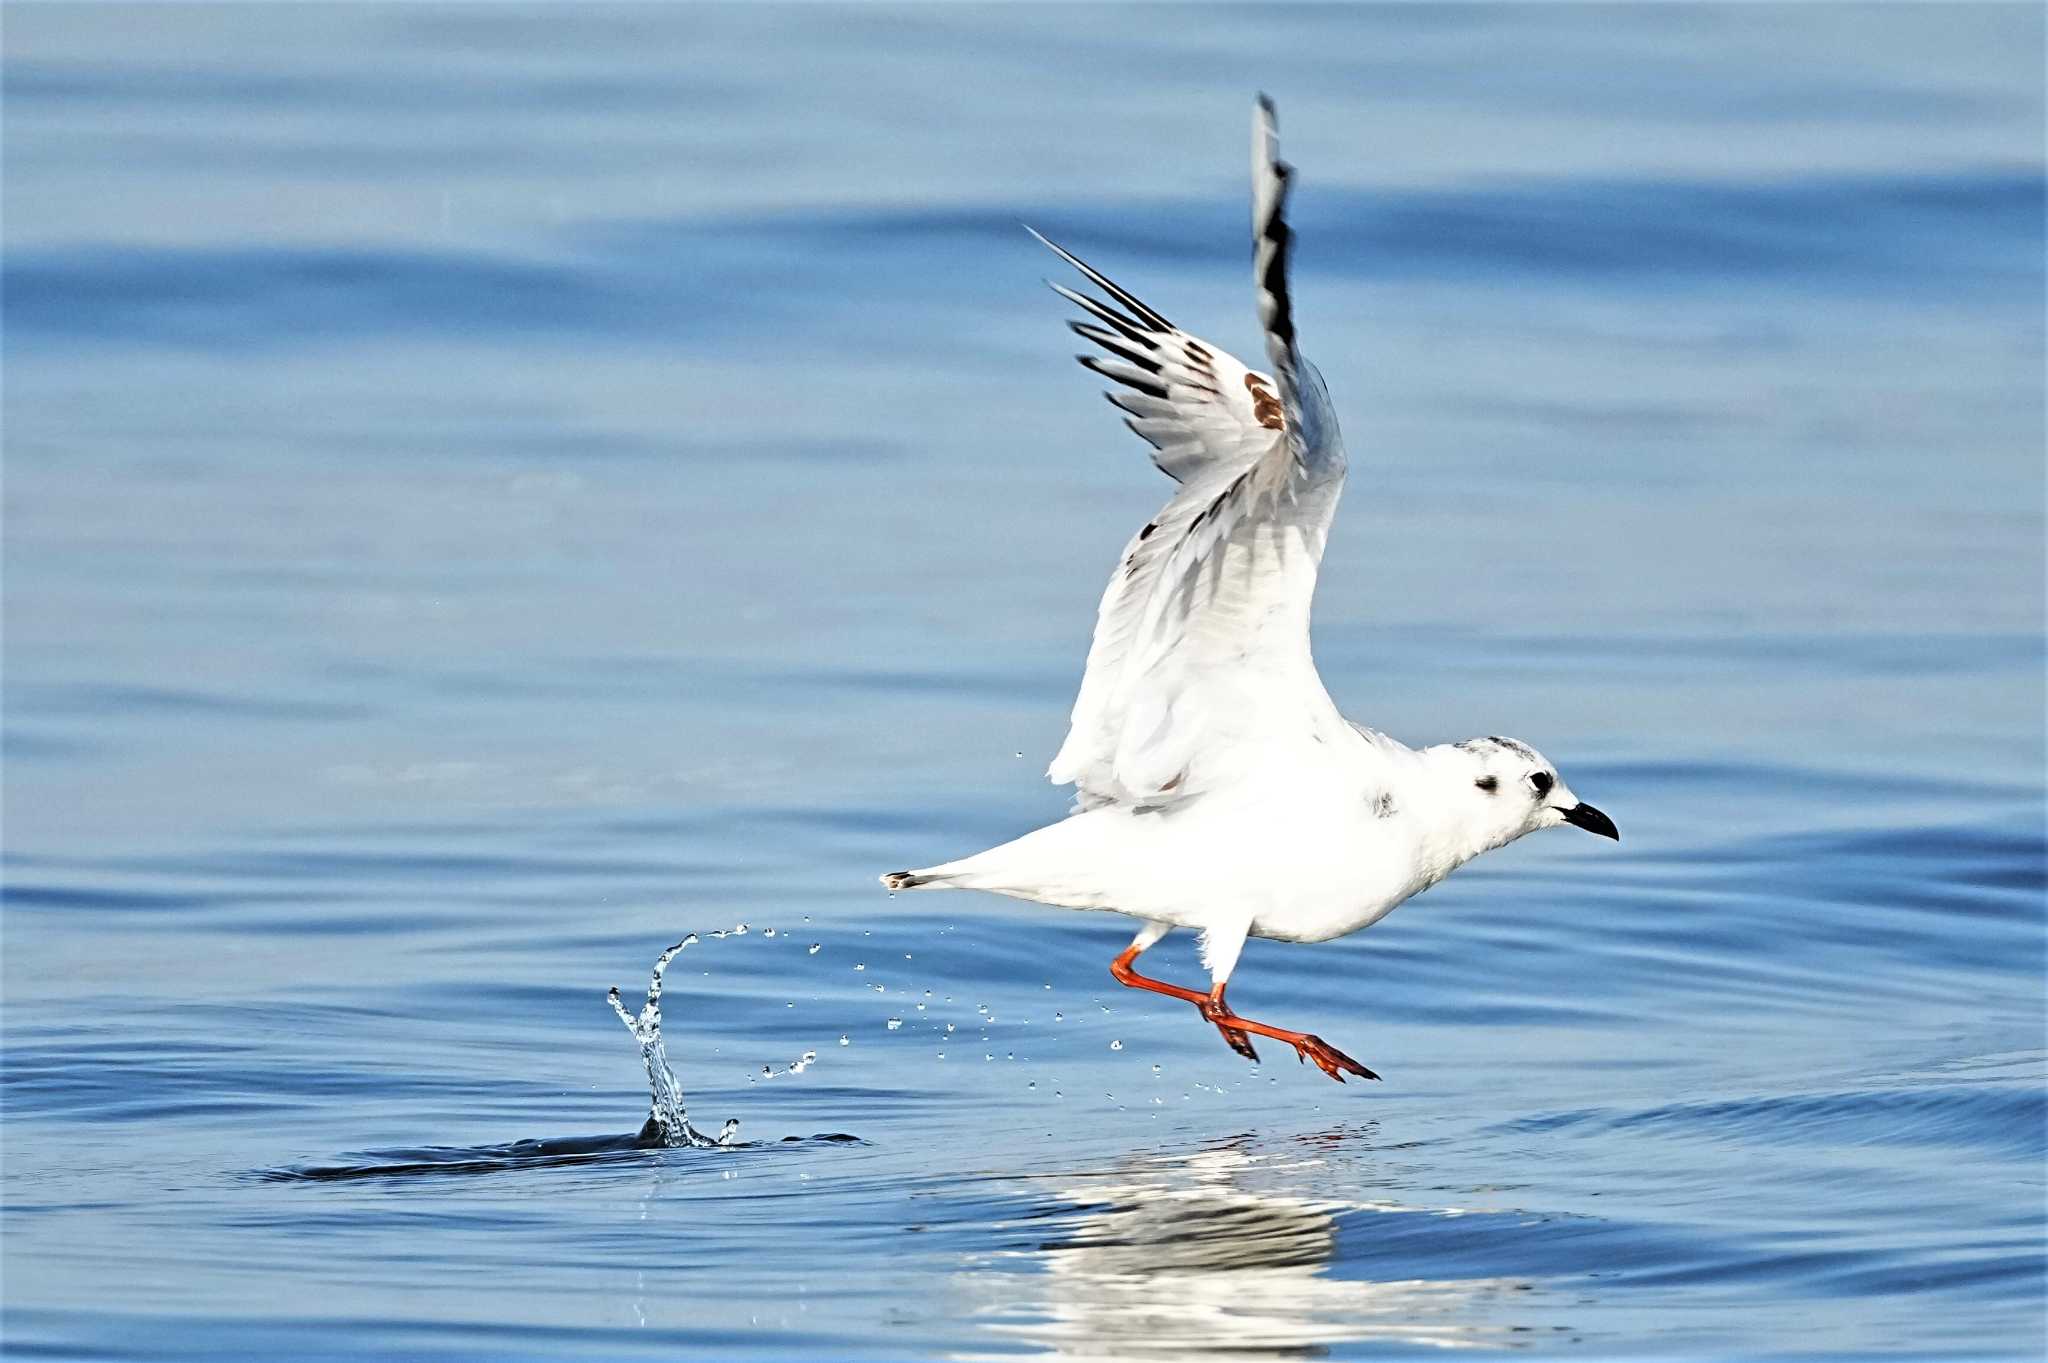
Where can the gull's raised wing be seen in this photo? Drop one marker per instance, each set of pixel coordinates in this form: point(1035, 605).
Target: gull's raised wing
point(1200, 665)
point(1193, 403)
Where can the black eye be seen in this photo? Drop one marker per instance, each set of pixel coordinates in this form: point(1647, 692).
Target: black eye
point(1542, 781)
point(1487, 784)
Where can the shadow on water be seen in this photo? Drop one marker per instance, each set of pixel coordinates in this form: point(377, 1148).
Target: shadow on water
point(545, 1153)
point(667, 1126)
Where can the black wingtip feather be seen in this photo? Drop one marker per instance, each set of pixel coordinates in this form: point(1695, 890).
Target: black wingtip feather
point(1131, 329)
point(1109, 286)
point(1108, 341)
point(1157, 390)
point(1274, 278)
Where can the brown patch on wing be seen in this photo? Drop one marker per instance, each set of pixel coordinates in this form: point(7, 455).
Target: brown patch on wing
point(1265, 407)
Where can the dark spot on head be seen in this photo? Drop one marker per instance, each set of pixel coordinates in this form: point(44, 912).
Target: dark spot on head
point(1488, 784)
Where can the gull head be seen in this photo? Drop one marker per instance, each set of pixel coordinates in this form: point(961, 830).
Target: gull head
point(1506, 788)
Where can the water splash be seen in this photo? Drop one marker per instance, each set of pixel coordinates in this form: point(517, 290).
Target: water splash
point(667, 1122)
point(796, 1066)
point(667, 1126)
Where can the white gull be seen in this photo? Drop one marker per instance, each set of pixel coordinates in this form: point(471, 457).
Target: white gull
point(1217, 786)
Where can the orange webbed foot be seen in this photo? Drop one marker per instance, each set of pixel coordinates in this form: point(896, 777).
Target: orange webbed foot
point(1329, 1059)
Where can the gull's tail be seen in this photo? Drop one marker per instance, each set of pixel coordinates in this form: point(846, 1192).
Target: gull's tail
point(988, 870)
point(1040, 866)
point(909, 880)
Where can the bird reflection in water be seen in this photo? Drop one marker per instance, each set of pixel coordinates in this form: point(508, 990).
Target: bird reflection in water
point(1223, 1250)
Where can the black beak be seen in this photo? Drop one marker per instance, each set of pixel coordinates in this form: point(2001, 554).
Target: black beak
point(1592, 820)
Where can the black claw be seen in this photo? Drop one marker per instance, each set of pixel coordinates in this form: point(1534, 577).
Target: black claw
point(1239, 1042)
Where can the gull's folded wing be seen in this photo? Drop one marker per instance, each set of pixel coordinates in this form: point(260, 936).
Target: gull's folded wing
point(1200, 664)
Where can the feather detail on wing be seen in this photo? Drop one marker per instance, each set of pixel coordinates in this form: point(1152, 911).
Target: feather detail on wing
point(1192, 402)
point(1200, 661)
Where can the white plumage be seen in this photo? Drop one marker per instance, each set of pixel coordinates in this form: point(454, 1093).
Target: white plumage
point(1217, 786)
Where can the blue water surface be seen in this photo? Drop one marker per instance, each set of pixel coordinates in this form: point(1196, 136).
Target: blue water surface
point(490, 490)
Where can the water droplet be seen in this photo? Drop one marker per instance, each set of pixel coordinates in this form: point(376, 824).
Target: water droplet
point(895, 1024)
point(814, 948)
point(1116, 1045)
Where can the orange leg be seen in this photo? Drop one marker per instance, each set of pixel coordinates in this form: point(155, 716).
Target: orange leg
point(1328, 1058)
point(1233, 1037)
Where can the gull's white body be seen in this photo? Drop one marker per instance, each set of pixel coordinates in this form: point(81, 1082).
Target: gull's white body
point(1328, 838)
point(1217, 786)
